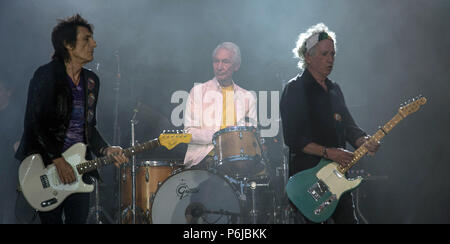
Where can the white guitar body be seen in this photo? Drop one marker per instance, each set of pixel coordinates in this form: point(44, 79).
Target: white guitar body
point(41, 185)
point(337, 183)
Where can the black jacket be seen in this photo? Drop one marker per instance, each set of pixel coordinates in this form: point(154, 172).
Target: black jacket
point(309, 114)
point(48, 113)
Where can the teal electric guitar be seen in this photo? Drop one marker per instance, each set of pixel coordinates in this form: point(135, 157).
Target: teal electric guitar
point(316, 192)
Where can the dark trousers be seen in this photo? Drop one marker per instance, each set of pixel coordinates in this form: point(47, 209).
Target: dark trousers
point(344, 213)
point(75, 208)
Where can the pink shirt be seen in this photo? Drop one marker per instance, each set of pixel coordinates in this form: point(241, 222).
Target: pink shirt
point(203, 116)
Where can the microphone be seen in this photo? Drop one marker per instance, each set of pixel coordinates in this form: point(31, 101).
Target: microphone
point(135, 112)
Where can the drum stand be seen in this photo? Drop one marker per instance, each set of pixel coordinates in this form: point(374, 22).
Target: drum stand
point(252, 185)
point(253, 212)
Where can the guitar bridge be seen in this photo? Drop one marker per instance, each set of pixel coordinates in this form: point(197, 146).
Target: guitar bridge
point(318, 190)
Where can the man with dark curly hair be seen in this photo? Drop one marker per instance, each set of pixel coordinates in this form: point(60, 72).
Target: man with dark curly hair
point(61, 111)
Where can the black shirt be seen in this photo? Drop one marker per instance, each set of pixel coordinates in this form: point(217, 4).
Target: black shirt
point(311, 114)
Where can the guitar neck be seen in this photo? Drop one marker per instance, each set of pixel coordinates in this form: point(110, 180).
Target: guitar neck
point(362, 150)
point(106, 160)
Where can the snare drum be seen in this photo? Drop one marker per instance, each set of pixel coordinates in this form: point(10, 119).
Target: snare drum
point(196, 197)
point(149, 176)
point(237, 151)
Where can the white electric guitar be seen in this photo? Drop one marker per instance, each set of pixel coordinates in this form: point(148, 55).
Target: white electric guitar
point(42, 187)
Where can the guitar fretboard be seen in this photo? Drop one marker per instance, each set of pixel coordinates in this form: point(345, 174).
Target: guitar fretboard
point(103, 161)
point(362, 150)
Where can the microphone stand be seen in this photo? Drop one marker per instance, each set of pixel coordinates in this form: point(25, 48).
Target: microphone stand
point(116, 137)
point(132, 208)
point(97, 209)
point(133, 169)
point(116, 127)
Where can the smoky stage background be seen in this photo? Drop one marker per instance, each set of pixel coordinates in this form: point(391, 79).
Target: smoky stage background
point(387, 52)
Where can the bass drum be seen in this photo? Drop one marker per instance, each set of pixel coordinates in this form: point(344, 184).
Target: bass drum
point(196, 197)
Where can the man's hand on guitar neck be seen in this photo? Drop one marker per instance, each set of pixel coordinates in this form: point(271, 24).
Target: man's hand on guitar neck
point(65, 170)
point(372, 146)
point(117, 153)
point(339, 155)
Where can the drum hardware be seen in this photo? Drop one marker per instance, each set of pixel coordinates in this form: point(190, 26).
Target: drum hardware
point(252, 185)
point(176, 171)
point(148, 216)
point(139, 216)
point(241, 185)
point(254, 212)
point(124, 177)
point(151, 198)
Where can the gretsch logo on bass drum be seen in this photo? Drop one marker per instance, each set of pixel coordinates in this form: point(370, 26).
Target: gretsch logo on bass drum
point(183, 190)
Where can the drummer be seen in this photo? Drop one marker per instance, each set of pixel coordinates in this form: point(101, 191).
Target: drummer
point(217, 104)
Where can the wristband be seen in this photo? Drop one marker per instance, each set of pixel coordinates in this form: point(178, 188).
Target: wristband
point(324, 152)
point(103, 151)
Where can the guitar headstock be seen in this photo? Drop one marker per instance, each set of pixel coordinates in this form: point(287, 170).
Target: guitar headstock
point(171, 139)
point(412, 106)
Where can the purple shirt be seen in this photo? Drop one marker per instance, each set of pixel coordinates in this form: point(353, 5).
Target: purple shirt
point(75, 132)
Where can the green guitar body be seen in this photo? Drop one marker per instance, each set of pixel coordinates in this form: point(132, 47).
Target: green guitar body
point(316, 191)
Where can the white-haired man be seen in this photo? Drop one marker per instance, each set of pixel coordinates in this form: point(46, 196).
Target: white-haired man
point(217, 104)
point(315, 118)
